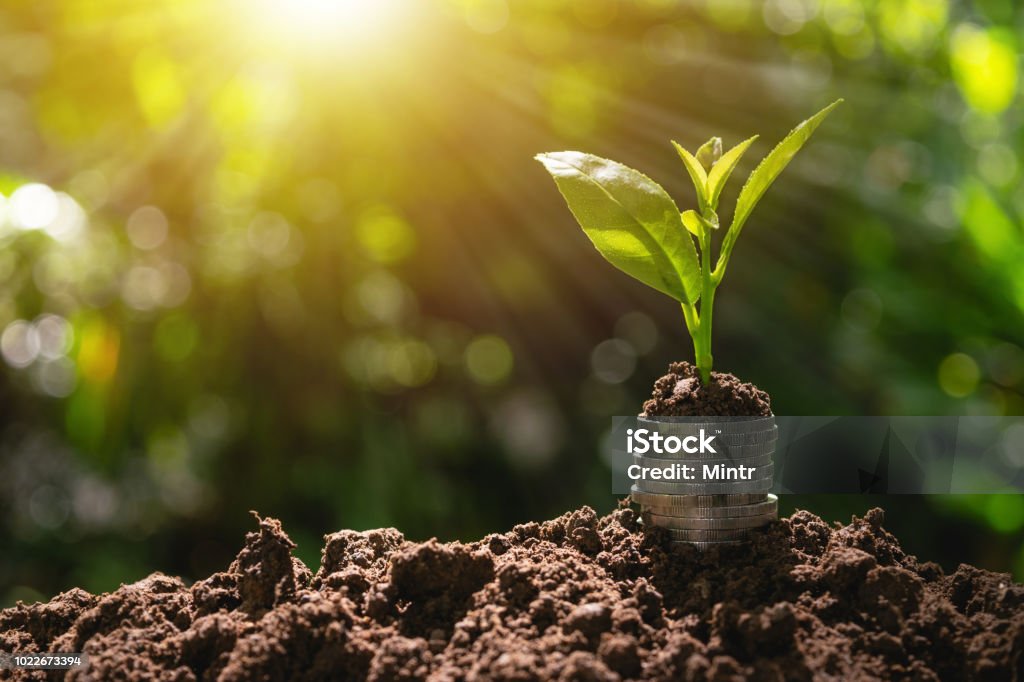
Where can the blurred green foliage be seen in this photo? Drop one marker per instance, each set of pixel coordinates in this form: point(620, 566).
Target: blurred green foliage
point(296, 257)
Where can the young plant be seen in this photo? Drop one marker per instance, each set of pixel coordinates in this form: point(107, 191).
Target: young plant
point(638, 228)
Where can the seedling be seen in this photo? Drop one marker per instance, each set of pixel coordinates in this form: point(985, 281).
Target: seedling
point(638, 228)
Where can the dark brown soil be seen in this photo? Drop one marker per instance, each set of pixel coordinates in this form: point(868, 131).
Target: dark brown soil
point(680, 393)
point(580, 597)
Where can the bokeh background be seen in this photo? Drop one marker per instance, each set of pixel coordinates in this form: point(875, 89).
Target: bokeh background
point(296, 257)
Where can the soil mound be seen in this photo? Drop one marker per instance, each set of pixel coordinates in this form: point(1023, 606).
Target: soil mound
point(579, 597)
point(680, 393)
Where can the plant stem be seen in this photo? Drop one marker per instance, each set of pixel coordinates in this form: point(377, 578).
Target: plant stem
point(702, 348)
point(693, 326)
point(692, 318)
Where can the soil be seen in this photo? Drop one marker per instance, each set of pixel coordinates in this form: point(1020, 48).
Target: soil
point(576, 598)
point(681, 393)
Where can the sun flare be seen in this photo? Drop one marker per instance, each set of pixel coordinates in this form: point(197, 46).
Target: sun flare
point(326, 24)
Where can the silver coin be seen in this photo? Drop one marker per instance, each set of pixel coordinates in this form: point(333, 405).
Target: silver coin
point(690, 523)
point(692, 425)
point(709, 535)
point(734, 488)
point(660, 463)
point(758, 438)
point(694, 501)
point(657, 518)
point(769, 505)
point(704, 546)
point(754, 438)
point(748, 450)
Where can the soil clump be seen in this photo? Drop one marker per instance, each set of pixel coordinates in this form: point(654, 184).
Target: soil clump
point(681, 393)
point(579, 597)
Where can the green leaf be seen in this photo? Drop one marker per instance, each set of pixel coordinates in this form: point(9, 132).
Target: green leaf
point(709, 153)
point(721, 171)
point(630, 219)
point(697, 224)
point(773, 164)
point(692, 222)
point(697, 174)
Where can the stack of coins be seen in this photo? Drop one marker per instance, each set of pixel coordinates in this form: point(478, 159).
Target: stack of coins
point(712, 513)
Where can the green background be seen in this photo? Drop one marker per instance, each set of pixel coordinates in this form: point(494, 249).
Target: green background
point(301, 260)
